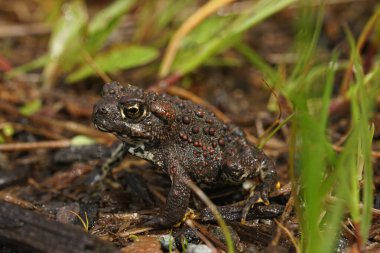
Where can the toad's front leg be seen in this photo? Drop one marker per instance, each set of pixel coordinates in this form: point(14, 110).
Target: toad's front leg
point(268, 180)
point(177, 200)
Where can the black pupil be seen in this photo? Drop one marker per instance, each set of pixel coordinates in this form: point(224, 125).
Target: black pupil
point(133, 110)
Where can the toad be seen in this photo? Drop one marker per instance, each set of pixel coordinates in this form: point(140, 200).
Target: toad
point(185, 141)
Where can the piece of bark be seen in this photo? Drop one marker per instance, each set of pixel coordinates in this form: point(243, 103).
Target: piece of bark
point(234, 213)
point(26, 231)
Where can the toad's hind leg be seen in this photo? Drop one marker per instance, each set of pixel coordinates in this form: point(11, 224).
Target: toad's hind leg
point(177, 200)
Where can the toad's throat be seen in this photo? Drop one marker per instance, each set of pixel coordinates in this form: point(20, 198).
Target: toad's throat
point(133, 141)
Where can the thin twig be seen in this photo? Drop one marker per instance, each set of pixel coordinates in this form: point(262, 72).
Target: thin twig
point(47, 133)
point(134, 231)
point(23, 146)
point(164, 84)
point(174, 90)
point(8, 197)
point(291, 237)
point(91, 62)
point(59, 124)
point(284, 190)
point(332, 201)
point(284, 216)
point(374, 154)
point(22, 30)
point(268, 132)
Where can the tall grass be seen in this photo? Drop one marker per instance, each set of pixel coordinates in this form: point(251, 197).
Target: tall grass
point(323, 173)
point(326, 183)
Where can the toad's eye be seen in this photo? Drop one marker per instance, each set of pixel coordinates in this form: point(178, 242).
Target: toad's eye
point(133, 110)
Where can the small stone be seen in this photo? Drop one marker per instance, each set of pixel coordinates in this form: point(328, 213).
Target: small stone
point(64, 213)
point(167, 242)
point(194, 248)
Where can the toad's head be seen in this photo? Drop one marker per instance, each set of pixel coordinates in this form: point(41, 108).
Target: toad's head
point(133, 115)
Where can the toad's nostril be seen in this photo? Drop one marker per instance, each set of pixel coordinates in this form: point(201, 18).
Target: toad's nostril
point(103, 110)
point(100, 109)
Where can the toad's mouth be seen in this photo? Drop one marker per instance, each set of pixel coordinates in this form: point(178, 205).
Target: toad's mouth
point(100, 128)
point(135, 141)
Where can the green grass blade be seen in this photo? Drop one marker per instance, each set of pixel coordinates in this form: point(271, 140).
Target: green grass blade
point(66, 41)
point(105, 22)
point(309, 28)
point(364, 103)
point(119, 57)
point(35, 64)
point(231, 34)
point(330, 74)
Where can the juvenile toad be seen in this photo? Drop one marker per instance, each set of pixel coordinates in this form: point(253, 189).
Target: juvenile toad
point(183, 139)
